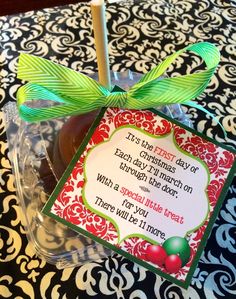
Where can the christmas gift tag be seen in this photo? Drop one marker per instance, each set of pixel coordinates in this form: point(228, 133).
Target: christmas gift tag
point(146, 187)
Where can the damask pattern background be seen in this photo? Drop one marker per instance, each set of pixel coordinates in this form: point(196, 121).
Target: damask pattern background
point(141, 34)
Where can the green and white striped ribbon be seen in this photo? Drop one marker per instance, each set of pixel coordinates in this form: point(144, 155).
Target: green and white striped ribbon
point(75, 93)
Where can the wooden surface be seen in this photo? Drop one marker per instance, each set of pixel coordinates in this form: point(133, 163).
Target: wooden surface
point(8, 7)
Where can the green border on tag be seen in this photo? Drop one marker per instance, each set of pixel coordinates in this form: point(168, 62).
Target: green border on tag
point(47, 208)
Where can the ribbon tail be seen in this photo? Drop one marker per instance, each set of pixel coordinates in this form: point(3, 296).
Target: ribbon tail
point(36, 103)
point(177, 90)
point(42, 114)
point(199, 107)
point(34, 92)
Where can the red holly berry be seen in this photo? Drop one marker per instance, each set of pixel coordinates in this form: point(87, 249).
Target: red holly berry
point(156, 254)
point(173, 263)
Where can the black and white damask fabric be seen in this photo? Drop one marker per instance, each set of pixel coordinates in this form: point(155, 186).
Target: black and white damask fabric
point(141, 34)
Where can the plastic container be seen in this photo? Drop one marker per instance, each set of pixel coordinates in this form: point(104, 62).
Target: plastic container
point(32, 152)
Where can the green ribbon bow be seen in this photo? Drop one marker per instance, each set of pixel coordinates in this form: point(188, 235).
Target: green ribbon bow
point(75, 93)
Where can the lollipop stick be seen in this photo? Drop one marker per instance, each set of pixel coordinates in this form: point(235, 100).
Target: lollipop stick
point(101, 43)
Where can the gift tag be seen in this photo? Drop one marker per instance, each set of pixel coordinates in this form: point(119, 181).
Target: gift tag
point(147, 187)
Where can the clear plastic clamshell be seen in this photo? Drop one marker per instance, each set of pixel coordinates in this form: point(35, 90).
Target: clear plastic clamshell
point(31, 149)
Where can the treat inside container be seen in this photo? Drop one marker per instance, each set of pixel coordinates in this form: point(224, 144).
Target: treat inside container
point(40, 153)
